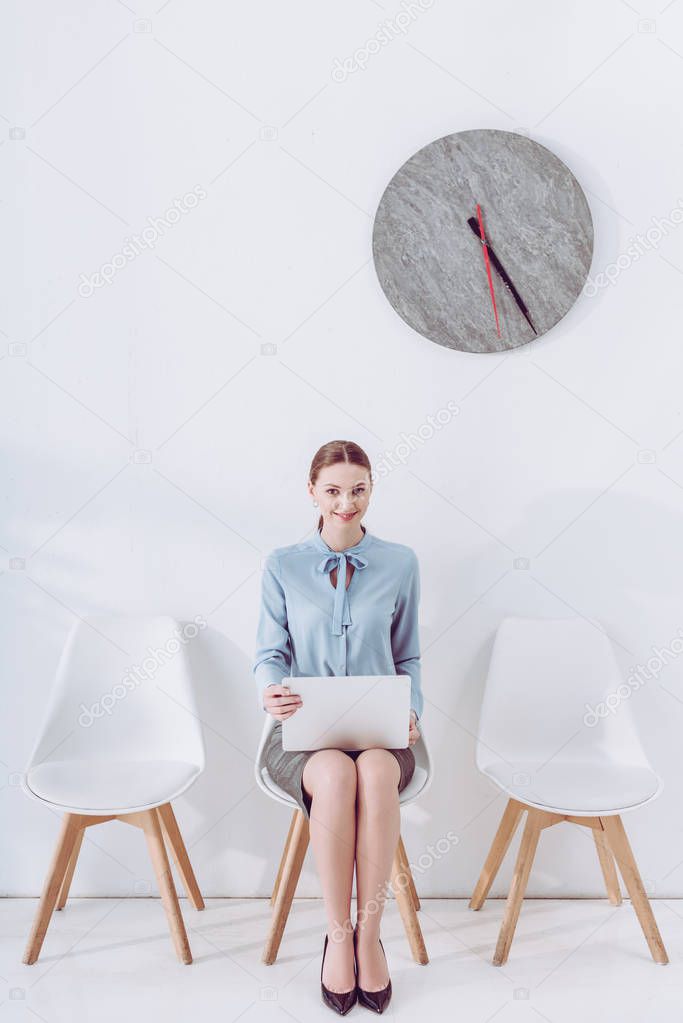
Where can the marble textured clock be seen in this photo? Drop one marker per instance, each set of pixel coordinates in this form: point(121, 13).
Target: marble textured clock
point(495, 294)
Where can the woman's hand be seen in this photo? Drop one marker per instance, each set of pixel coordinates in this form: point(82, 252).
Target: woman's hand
point(413, 734)
point(280, 702)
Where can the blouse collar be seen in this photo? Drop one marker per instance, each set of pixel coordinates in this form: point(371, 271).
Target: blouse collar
point(359, 548)
point(341, 615)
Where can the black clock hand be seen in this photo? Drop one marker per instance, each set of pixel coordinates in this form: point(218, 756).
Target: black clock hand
point(503, 273)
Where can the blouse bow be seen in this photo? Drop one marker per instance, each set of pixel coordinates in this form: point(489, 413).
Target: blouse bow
point(338, 560)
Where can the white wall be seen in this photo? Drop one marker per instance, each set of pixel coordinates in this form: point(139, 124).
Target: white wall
point(541, 462)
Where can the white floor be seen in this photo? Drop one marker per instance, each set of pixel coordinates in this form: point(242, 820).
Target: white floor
point(112, 960)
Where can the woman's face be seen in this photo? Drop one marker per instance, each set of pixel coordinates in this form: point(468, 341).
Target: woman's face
point(343, 493)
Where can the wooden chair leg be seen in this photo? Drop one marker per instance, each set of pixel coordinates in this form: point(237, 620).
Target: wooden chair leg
point(69, 833)
point(620, 846)
point(150, 822)
point(406, 868)
point(283, 858)
point(525, 858)
point(609, 871)
point(296, 851)
point(171, 831)
point(71, 866)
point(400, 882)
point(500, 845)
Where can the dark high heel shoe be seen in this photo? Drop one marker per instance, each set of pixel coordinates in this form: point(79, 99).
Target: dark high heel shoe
point(340, 1001)
point(375, 1000)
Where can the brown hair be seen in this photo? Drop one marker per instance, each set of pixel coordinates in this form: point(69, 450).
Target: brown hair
point(337, 451)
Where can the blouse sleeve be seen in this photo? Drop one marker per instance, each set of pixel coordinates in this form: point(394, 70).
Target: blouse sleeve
point(273, 658)
point(405, 637)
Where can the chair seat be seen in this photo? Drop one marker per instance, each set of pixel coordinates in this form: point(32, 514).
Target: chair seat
point(414, 786)
point(104, 786)
point(584, 788)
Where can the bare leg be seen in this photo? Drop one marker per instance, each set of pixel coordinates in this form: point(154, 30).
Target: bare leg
point(378, 832)
point(330, 778)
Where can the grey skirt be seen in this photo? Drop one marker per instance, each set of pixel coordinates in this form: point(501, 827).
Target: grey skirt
point(286, 767)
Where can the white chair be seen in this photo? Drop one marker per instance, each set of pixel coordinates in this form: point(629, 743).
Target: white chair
point(296, 845)
point(120, 739)
point(546, 676)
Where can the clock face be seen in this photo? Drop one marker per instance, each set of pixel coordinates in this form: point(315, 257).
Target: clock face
point(495, 294)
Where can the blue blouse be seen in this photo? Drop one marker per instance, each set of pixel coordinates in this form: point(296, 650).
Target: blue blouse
point(308, 628)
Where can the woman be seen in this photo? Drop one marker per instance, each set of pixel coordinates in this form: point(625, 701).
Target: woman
point(318, 619)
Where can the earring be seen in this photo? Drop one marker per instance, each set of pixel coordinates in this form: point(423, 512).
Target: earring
point(315, 504)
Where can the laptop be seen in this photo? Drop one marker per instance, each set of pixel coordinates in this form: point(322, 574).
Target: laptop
point(348, 712)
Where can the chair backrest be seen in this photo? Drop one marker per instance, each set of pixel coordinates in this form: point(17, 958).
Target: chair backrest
point(423, 763)
point(123, 691)
point(544, 679)
point(420, 750)
point(259, 761)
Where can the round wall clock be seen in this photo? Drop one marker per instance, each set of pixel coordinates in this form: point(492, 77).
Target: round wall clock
point(482, 240)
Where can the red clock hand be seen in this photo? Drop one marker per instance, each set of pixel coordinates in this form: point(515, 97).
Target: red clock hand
point(488, 265)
